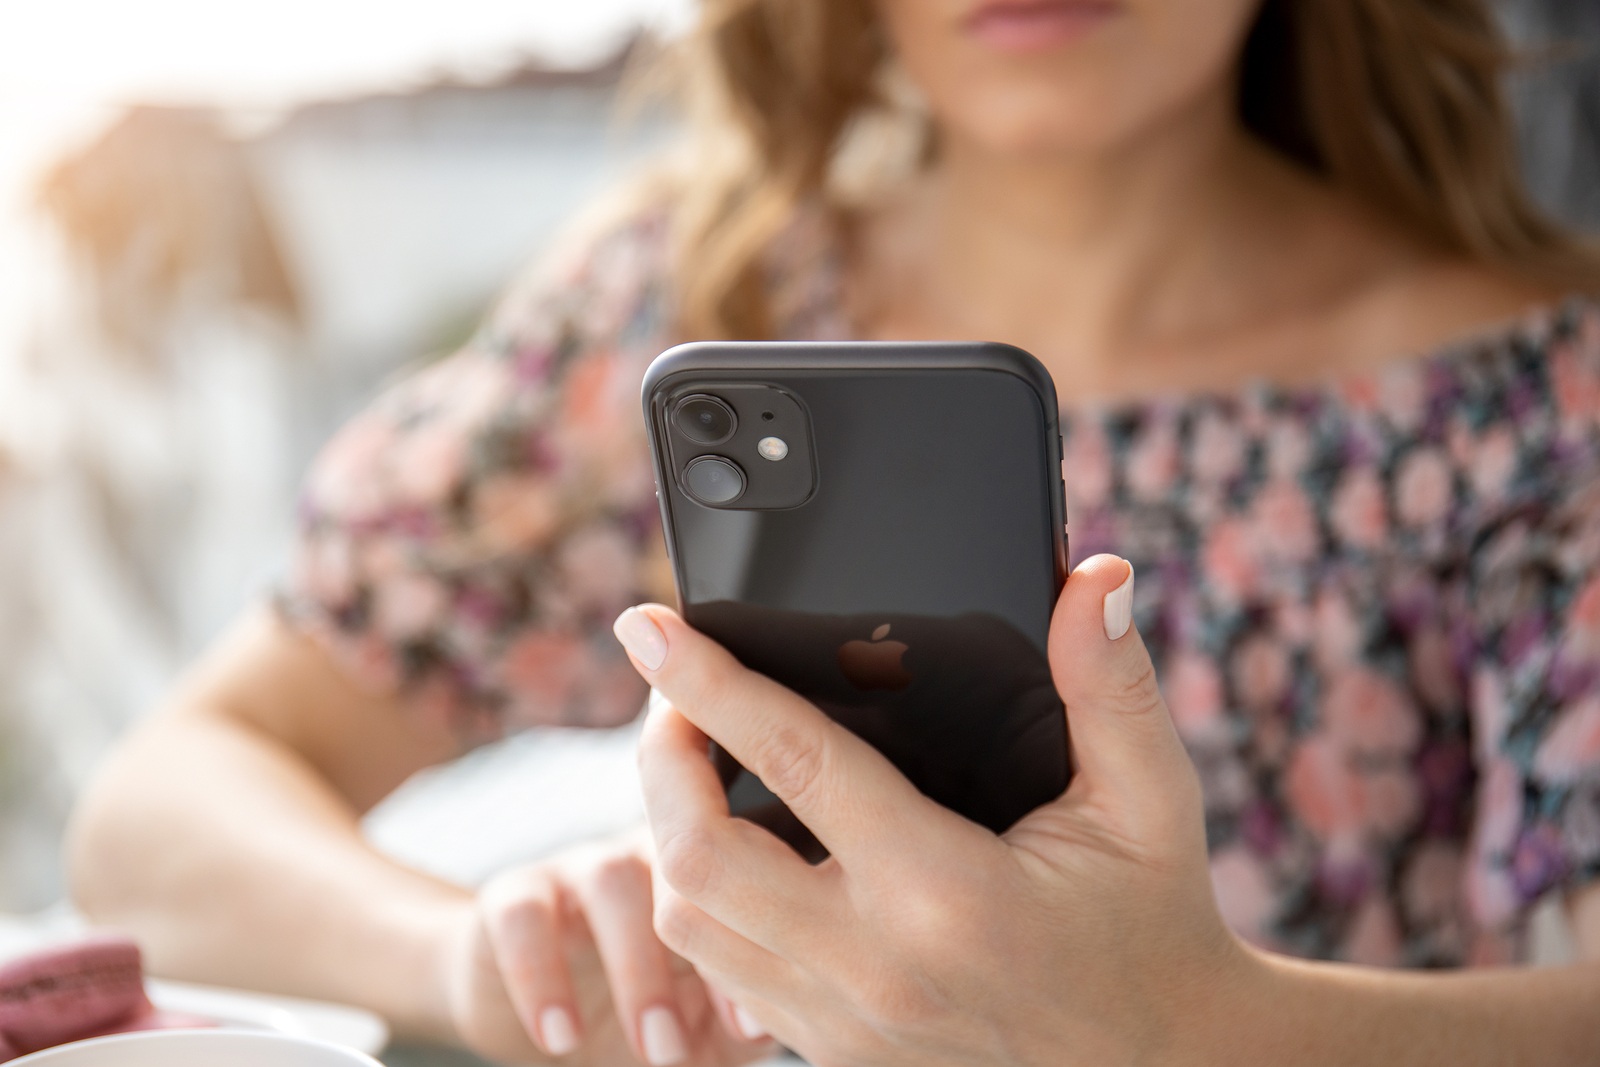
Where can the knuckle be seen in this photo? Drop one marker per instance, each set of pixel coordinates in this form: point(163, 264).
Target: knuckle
point(939, 931)
point(511, 909)
point(1135, 694)
point(522, 941)
point(791, 763)
point(689, 862)
point(522, 880)
point(675, 922)
point(892, 1002)
point(526, 911)
point(619, 875)
point(931, 916)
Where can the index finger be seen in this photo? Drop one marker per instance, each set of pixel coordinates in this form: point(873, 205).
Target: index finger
point(846, 793)
point(737, 872)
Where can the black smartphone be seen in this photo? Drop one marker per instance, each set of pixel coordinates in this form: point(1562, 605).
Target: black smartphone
point(881, 527)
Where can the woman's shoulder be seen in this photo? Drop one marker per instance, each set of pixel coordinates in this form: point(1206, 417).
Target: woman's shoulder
point(1456, 334)
point(1441, 304)
point(1520, 368)
point(1463, 322)
point(1391, 294)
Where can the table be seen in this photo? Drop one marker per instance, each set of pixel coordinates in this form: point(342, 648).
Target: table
point(420, 1056)
point(429, 1056)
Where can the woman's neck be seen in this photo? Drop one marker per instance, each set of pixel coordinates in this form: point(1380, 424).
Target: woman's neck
point(1185, 236)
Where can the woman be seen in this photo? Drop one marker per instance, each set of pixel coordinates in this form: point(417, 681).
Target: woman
point(1329, 385)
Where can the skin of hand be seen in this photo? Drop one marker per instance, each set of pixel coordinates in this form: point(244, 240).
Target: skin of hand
point(559, 959)
point(1087, 933)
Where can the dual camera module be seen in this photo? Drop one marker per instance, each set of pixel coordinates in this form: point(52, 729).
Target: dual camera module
point(705, 420)
point(744, 445)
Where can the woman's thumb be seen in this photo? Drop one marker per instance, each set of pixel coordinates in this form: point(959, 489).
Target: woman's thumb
point(1123, 742)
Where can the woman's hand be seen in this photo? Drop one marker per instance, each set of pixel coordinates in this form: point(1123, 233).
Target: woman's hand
point(1086, 934)
point(558, 959)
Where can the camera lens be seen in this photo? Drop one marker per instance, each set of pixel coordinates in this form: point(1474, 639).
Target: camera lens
point(713, 480)
point(704, 419)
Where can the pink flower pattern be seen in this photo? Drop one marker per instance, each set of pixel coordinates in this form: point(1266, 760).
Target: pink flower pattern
point(1373, 602)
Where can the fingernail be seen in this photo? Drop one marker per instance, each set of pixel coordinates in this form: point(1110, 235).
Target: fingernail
point(559, 1034)
point(1119, 607)
point(641, 637)
point(752, 1030)
point(661, 1036)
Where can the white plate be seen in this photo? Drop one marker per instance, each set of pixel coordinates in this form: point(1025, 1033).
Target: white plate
point(338, 1024)
point(197, 1048)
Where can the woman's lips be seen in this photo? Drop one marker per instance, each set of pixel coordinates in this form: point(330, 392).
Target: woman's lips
point(1037, 25)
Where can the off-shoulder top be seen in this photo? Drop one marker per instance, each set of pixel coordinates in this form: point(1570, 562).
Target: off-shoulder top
point(1373, 603)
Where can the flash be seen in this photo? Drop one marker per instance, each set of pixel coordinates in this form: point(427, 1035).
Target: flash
point(773, 448)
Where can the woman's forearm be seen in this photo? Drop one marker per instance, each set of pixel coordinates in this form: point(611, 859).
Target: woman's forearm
point(233, 861)
point(1311, 1014)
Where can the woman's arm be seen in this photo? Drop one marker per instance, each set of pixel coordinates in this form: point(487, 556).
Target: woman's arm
point(1088, 933)
point(1312, 1013)
point(1291, 1011)
point(224, 835)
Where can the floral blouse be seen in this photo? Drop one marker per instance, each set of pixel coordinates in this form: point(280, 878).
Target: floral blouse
point(1373, 604)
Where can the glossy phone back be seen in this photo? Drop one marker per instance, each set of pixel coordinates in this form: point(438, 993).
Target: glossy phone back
point(900, 572)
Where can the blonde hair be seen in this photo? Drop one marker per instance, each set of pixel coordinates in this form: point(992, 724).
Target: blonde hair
point(1398, 101)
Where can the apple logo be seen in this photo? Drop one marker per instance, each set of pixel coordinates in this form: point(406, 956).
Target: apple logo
point(875, 664)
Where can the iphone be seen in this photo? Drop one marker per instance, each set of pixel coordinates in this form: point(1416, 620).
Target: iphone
point(880, 527)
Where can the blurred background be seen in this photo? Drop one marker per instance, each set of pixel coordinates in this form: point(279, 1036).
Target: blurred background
point(222, 227)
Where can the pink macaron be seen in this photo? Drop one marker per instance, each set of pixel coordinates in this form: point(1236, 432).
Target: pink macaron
point(70, 992)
